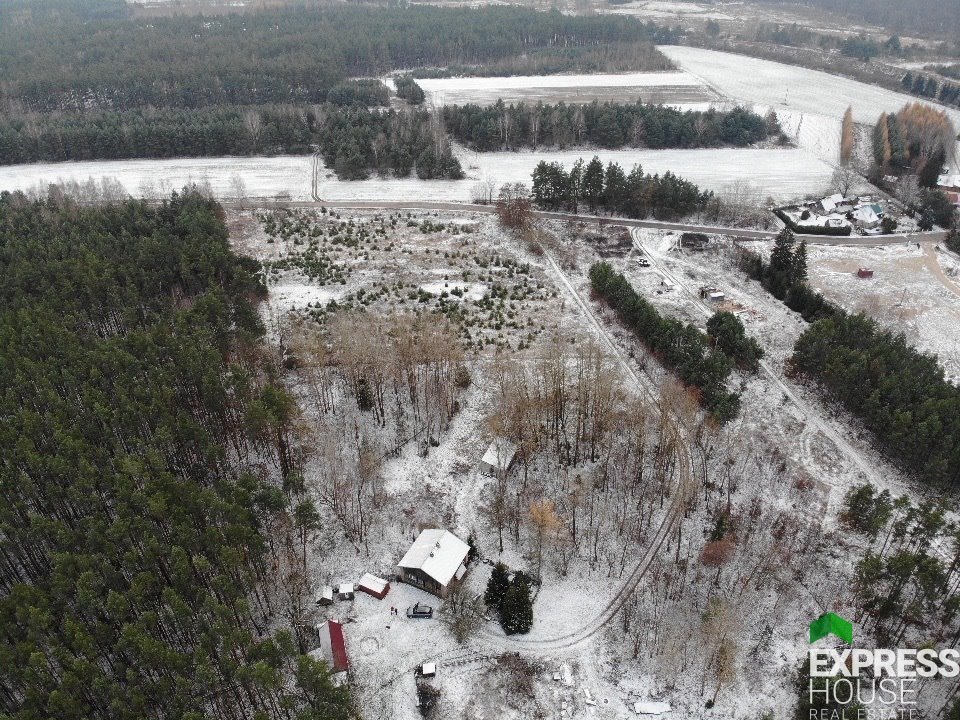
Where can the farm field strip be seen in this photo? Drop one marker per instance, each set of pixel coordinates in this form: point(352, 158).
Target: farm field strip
point(658, 87)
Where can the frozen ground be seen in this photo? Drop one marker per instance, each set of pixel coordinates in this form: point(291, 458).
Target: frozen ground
point(913, 290)
point(267, 177)
point(659, 87)
point(792, 88)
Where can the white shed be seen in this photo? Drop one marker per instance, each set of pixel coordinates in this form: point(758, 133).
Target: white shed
point(498, 458)
point(651, 708)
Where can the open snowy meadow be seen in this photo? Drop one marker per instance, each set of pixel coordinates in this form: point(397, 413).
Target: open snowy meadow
point(788, 88)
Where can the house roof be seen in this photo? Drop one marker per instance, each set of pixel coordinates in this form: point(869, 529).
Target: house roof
point(438, 553)
point(499, 454)
point(333, 647)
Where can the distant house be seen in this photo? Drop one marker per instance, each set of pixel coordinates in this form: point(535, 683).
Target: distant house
point(865, 273)
point(373, 585)
point(829, 204)
point(345, 591)
point(953, 197)
point(325, 595)
point(498, 458)
point(435, 561)
point(866, 217)
point(332, 650)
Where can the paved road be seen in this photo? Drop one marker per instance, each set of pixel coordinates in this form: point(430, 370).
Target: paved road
point(927, 237)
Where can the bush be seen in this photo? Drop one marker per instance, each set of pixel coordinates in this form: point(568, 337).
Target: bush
point(728, 335)
point(516, 611)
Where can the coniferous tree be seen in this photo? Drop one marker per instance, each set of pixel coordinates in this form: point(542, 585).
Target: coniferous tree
point(516, 611)
point(497, 587)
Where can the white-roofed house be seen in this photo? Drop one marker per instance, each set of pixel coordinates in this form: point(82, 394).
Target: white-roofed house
point(436, 560)
point(866, 217)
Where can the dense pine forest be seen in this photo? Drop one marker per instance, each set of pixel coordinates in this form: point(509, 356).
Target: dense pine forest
point(285, 55)
point(593, 187)
point(93, 81)
point(899, 393)
point(140, 533)
point(354, 140)
point(607, 125)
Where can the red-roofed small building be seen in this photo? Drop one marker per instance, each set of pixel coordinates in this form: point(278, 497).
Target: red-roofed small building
point(332, 650)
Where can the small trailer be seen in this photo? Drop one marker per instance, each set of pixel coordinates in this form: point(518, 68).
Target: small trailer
point(865, 273)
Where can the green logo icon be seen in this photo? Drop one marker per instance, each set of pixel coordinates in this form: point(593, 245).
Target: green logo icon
point(831, 624)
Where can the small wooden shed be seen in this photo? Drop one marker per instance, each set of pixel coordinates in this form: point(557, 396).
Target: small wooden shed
point(498, 458)
point(373, 585)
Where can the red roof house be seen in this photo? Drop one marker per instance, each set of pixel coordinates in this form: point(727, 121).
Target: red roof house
point(333, 649)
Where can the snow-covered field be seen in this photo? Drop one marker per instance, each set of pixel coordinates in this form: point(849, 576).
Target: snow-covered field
point(780, 173)
point(914, 290)
point(262, 176)
point(809, 104)
point(787, 87)
point(660, 87)
point(794, 88)
point(675, 10)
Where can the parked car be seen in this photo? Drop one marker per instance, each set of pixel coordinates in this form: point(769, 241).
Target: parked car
point(643, 262)
point(420, 611)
